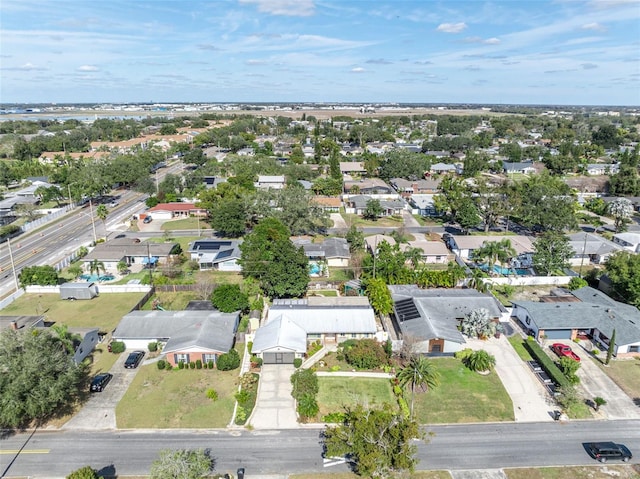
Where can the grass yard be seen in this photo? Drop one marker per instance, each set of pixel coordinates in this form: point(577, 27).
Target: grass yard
point(626, 374)
point(101, 359)
point(385, 221)
point(336, 393)
point(323, 292)
point(190, 223)
point(177, 399)
point(517, 342)
point(574, 472)
point(463, 396)
point(104, 311)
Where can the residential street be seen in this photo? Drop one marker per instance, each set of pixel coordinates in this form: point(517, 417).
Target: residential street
point(462, 447)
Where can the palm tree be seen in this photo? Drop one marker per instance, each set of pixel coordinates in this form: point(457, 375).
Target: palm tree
point(96, 266)
point(495, 252)
point(420, 372)
point(481, 361)
point(476, 281)
point(102, 213)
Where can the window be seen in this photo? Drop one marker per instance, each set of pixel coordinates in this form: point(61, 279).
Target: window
point(436, 348)
point(528, 320)
point(634, 349)
point(354, 335)
point(208, 357)
point(181, 358)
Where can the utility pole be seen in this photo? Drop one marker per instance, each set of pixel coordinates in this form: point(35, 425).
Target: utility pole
point(93, 223)
point(150, 271)
point(13, 266)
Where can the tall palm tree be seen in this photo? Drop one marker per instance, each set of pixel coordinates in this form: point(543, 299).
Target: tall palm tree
point(420, 372)
point(102, 213)
point(96, 266)
point(495, 252)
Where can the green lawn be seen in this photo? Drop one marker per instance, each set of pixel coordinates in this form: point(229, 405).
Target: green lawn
point(101, 359)
point(177, 399)
point(386, 221)
point(463, 396)
point(190, 223)
point(350, 475)
point(104, 311)
point(517, 342)
point(574, 472)
point(336, 393)
point(626, 374)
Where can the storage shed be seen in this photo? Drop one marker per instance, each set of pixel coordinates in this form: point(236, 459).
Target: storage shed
point(78, 290)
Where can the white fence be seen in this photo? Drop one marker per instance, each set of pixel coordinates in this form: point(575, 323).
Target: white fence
point(102, 289)
point(531, 280)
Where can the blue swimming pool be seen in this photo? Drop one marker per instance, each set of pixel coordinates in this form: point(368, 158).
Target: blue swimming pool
point(314, 268)
point(506, 271)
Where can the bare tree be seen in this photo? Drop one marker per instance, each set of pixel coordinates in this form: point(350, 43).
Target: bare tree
point(204, 288)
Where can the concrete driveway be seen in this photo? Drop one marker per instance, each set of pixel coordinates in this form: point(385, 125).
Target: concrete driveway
point(530, 399)
point(596, 383)
point(99, 412)
point(275, 407)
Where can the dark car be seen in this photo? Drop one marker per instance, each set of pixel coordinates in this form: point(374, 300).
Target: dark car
point(240, 473)
point(603, 451)
point(147, 219)
point(134, 359)
point(100, 382)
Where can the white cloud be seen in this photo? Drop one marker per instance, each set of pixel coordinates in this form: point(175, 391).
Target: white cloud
point(27, 67)
point(88, 68)
point(255, 62)
point(594, 26)
point(451, 27)
point(358, 70)
point(289, 8)
point(492, 41)
point(484, 41)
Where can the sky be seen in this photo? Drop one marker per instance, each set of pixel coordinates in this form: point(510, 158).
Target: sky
point(564, 52)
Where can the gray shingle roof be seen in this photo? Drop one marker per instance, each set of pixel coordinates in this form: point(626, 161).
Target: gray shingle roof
point(210, 330)
point(597, 310)
point(281, 332)
point(329, 248)
point(440, 310)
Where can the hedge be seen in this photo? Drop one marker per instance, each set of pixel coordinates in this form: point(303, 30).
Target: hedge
point(546, 362)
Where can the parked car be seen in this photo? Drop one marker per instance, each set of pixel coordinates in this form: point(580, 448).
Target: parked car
point(240, 473)
point(603, 451)
point(147, 219)
point(562, 350)
point(134, 359)
point(100, 382)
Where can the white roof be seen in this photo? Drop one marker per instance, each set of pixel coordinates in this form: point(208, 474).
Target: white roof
point(431, 248)
point(329, 320)
point(522, 244)
point(281, 332)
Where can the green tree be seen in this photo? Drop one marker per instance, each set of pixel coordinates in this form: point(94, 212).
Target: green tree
point(304, 382)
point(377, 442)
point(495, 252)
point(373, 210)
point(467, 215)
point(96, 266)
point(102, 213)
point(308, 406)
point(551, 252)
point(623, 270)
point(44, 380)
point(355, 238)
point(379, 296)
point(269, 256)
point(86, 472)
point(182, 464)
point(621, 209)
point(75, 269)
point(606, 136)
point(480, 360)
point(611, 348)
point(39, 275)
point(599, 402)
point(366, 354)
point(546, 203)
point(229, 298)
point(569, 367)
point(420, 373)
point(229, 361)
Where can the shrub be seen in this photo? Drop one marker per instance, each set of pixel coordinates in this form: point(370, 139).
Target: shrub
point(192, 365)
point(297, 362)
point(153, 346)
point(211, 364)
point(366, 354)
point(181, 365)
point(117, 347)
point(198, 364)
point(205, 365)
point(85, 472)
point(161, 364)
point(308, 406)
point(480, 361)
point(595, 351)
point(256, 361)
point(335, 368)
point(304, 381)
point(212, 394)
point(334, 417)
point(463, 354)
point(404, 407)
point(313, 348)
point(229, 298)
point(242, 396)
point(241, 415)
point(546, 362)
point(229, 361)
point(249, 346)
point(577, 283)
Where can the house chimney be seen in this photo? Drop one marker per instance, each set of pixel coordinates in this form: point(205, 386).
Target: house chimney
point(13, 325)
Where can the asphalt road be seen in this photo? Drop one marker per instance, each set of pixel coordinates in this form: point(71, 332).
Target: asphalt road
point(455, 447)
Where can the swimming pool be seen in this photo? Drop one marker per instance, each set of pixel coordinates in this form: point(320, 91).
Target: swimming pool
point(506, 271)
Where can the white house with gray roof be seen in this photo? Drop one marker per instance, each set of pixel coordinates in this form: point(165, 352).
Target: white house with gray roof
point(592, 313)
point(222, 255)
point(187, 335)
point(291, 323)
point(431, 316)
point(333, 251)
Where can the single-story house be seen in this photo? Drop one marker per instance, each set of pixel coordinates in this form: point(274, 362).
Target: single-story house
point(292, 323)
point(334, 251)
point(408, 188)
point(629, 241)
point(276, 182)
point(602, 168)
point(424, 204)
point(186, 335)
point(352, 167)
point(331, 204)
point(465, 245)
point(431, 317)
point(593, 314)
point(167, 211)
point(373, 242)
point(368, 186)
point(130, 251)
point(591, 248)
point(522, 167)
point(439, 168)
point(430, 251)
point(213, 181)
point(357, 204)
point(21, 322)
point(221, 255)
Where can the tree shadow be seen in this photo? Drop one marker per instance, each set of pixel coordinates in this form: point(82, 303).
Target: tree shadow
point(107, 472)
point(636, 401)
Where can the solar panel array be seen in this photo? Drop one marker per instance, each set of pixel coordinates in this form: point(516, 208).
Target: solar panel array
point(406, 310)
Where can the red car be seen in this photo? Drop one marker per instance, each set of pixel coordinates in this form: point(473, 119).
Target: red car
point(562, 350)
